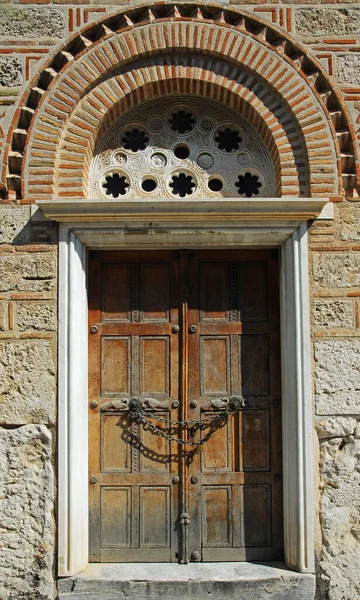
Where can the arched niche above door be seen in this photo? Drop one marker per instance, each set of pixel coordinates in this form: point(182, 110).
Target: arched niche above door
point(182, 147)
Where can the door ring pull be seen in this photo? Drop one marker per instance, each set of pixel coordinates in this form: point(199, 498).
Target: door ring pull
point(192, 329)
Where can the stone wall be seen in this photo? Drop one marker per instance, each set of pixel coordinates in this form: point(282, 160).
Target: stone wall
point(28, 289)
point(335, 284)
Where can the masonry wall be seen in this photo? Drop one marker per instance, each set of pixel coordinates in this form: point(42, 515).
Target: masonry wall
point(28, 322)
point(29, 33)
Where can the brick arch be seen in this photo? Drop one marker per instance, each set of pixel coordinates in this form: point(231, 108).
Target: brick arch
point(202, 78)
point(274, 79)
point(242, 40)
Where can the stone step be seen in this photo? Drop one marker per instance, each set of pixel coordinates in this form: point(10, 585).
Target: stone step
point(197, 581)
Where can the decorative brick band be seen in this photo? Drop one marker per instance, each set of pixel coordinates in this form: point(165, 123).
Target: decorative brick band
point(72, 87)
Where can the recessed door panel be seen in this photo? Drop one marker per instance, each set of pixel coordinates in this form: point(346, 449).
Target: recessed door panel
point(214, 365)
point(217, 515)
point(156, 450)
point(116, 517)
point(154, 365)
point(217, 452)
point(254, 297)
point(154, 292)
point(115, 448)
point(256, 515)
point(214, 292)
point(116, 292)
point(154, 517)
point(115, 366)
point(256, 440)
point(254, 363)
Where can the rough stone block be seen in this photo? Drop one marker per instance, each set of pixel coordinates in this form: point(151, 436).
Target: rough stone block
point(333, 313)
point(10, 71)
point(27, 383)
point(340, 515)
point(14, 223)
point(38, 315)
point(332, 270)
point(337, 377)
point(335, 427)
point(3, 315)
point(32, 23)
point(26, 516)
point(318, 22)
point(348, 69)
point(349, 219)
point(27, 271)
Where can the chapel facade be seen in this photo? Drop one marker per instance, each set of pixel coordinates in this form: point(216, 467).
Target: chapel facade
point(179, 300)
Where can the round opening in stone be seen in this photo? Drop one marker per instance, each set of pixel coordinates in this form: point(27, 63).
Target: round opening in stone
point(248, 184)
point(115, 185)
point(135, 139)
point(215, 184)
point(228, 139)
point(149, 185)
point(182, 185)
point(182, 121)
point(181, 152)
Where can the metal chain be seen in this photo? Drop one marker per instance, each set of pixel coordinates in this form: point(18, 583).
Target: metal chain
point(212, 423)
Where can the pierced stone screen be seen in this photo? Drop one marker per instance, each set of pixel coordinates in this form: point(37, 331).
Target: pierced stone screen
point(181, 148)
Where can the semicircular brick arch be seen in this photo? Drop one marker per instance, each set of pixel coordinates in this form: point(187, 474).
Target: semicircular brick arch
point(202, 78)
point(242, 40)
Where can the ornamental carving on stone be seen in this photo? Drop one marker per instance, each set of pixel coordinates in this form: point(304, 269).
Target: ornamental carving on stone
point(181, 148)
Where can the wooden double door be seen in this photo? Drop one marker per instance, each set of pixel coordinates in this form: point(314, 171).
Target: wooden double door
point(179, 471)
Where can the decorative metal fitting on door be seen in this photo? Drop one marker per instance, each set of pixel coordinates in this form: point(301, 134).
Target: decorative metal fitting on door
point(232, 404)
point(184, 519)
point(141, 411)
point(236, 403)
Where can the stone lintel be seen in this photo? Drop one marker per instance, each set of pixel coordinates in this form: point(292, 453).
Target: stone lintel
point(232, 210)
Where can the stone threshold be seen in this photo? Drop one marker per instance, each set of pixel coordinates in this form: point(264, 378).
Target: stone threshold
point(196, 581)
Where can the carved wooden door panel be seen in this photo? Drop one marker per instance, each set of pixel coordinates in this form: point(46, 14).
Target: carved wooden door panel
point(133, 354)
point(235, 499)
point(183, 334)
